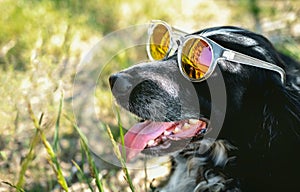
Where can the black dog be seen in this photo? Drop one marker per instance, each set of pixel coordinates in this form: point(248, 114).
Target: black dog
point(257, 148)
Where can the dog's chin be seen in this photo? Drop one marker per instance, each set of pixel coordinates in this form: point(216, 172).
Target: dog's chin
point(161, 138)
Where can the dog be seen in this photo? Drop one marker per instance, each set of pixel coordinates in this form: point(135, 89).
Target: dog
point(257, 146)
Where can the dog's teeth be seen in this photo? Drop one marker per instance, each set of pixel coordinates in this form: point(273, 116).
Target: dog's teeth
point(186, 126)
point(167, 133)
point(193, 121)
point(176, 130)
point(151, 142)
point(203, 131)
point(164, 138)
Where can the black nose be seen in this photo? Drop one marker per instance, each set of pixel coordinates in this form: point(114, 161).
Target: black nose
point(120, 83)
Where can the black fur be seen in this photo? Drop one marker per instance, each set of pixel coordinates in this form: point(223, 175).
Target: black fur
point(258, 146)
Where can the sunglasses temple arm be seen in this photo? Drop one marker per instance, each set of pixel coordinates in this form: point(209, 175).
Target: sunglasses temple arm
point(179, 32)
point(251, 61)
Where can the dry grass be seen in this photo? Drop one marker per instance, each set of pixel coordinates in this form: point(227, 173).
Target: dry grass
point(43, 146)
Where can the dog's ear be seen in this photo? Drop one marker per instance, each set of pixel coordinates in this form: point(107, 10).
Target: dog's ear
point(281, 113)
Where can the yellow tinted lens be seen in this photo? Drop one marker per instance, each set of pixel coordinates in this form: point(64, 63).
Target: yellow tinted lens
point(159, 42)
point(196, 58)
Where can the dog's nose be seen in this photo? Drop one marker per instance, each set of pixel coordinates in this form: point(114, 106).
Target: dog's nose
point(112, 79)
point(120, 83)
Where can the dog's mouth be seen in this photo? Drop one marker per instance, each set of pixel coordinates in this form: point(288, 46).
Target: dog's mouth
point(153, 136)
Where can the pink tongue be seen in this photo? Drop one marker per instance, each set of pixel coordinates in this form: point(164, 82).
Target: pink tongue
point(139, 135)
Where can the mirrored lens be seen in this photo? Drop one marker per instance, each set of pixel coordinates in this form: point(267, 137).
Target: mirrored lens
point(159, 42)
point(196, 58)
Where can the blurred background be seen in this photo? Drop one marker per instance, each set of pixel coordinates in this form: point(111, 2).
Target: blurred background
point(42, 43)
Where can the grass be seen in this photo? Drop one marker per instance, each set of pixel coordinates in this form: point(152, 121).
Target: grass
point(52, 157)
point(92, 166)
point(120, 157)
point(28, 159)
point(41, 44)
point(56, 137)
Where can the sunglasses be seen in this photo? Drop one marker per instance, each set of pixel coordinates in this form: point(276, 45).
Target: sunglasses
point(197, 55)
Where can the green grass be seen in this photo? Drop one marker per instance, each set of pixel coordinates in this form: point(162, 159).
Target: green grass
point(93, 168)
point(91, 163)
point(52, 157)
point(28, 159)
point(56, 133)
point(120, 157)
point(41, 45)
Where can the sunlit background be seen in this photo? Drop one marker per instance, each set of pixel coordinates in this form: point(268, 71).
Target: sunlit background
point(41, 45)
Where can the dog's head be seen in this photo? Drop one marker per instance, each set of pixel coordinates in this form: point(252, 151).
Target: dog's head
point(174, 111)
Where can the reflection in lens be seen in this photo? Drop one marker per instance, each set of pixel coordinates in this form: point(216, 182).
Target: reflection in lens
point(196, 58)
point(159, 42)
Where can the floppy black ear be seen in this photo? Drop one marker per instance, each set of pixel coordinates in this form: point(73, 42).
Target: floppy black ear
point(281, 114)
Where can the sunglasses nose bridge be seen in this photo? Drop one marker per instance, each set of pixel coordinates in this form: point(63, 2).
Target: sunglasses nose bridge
point(178, 37)
point(176, 43)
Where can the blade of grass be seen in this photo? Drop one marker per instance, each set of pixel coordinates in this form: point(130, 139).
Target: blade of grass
point(83, 159)
point(56, 132)
point(13, 186)
point(92, 166)
point(27, 160)
point(82, 175)
point(29, 157)
point(91, 162)
point(119, 156)
point(121, 133)
point(53, 161)
point(17, 119)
